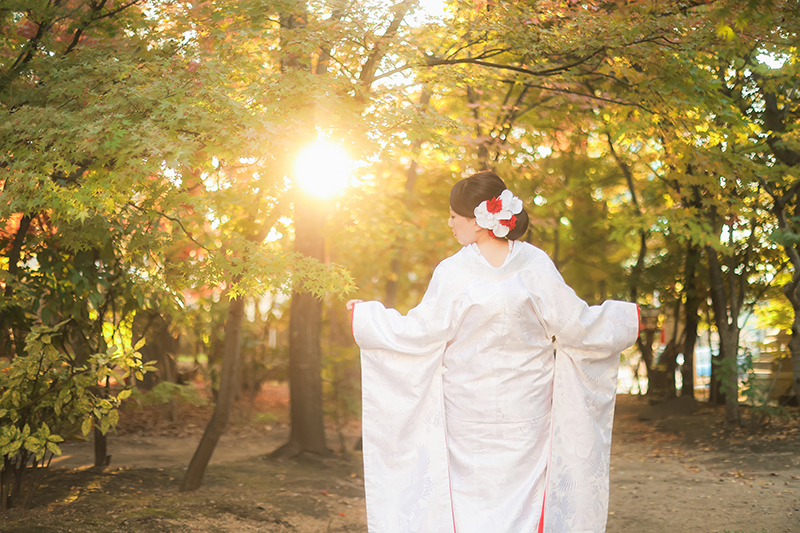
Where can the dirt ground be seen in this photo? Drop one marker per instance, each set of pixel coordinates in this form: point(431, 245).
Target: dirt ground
point(669, 472)
point(685, 473)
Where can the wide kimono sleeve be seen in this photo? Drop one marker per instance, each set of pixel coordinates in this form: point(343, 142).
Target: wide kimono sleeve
point(587, 341)
point(405, 454)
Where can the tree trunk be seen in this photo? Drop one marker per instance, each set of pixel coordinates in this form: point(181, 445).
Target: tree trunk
point(646, 348)
point(794, 349)
point(305, 375)
point(101, 457)
point(785, 208)
point(411, 180)
point(728, 351)
point(390, 298)
point(305, 357)
point(792, 292)
point(14, 255)
point(227, 389)
point(726, 319)
point(692, 320)
point(716, 396)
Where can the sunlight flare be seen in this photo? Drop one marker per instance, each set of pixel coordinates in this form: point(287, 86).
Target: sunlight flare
point(323, 169)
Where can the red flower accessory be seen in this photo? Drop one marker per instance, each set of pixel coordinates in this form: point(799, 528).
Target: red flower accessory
point(511, 222)
point(496, 214)
point(495, 205)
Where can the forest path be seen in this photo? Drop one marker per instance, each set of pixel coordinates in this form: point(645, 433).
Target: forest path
point(671, 470)
point(683, 473)
point(159, 451)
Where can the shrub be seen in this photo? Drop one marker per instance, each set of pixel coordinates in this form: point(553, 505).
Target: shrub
point(165, 392)
point(757, 393)
point(46, 397)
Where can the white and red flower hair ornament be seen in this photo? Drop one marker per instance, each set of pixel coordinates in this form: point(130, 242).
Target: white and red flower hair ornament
point(498, 215)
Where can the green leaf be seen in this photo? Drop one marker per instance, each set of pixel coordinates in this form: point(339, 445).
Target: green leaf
point(113, 417)
point(105, 424)
point(86, 427)
point(53, 448)
point(32, 444)
point(123, 394)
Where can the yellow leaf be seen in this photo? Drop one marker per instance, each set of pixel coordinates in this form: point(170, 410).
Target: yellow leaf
point(726, 32)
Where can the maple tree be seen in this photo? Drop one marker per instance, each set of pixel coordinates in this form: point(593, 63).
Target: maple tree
point(140, 150)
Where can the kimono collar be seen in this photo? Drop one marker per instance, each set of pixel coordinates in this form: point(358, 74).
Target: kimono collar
point(521, 256)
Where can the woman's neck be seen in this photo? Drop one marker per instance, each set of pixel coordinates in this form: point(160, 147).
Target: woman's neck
point(493, 249)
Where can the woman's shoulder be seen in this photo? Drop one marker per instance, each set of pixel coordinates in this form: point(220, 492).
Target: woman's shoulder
point(450, 265)
point(530, 250)
point(537, 260)
point(448, 276)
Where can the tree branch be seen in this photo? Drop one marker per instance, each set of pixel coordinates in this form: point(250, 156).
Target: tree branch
point(586, 95)
point(173, 219)
point(390, 72)
point(432, 61)
point(367, 75)
point(626, 171)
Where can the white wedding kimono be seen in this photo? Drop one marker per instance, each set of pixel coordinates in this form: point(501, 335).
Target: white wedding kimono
point(490, 404)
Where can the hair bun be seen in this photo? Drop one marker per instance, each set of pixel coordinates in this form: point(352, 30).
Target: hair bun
point(522, 226)
point(469, 193)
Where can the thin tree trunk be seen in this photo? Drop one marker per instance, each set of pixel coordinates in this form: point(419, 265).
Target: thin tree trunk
point(792, 289)
point(399, 245)
point(483, 149)
point(14, 255)
point(792, 292)
point(5, 484)
point(729, 349)
point(390, 297)
point(305, 323)
point(101, 457)
point(728, 329)
point(227, 389)
point(714, 395)
point(692, 320)
point(646, 346)
point(785, 209)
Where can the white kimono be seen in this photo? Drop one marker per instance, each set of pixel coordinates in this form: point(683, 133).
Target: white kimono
point(490, 404)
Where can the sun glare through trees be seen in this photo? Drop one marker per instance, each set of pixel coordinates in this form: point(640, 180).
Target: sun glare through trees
point(323, 169)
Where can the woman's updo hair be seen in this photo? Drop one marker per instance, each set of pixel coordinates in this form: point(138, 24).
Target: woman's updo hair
point(468, 193)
